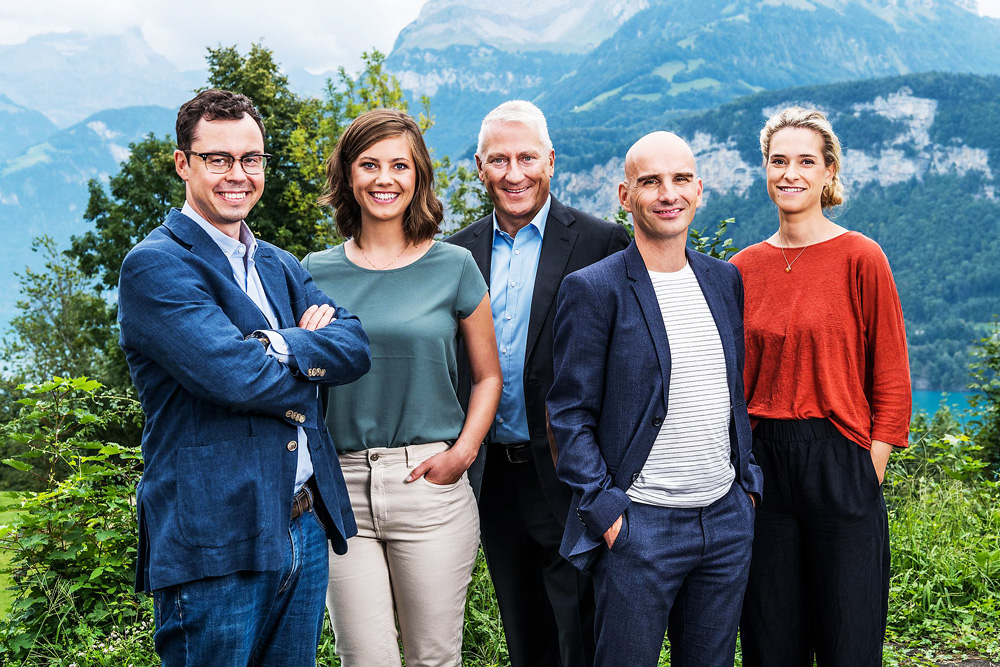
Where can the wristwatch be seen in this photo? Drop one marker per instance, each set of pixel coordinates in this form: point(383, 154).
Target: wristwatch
point(262, 337)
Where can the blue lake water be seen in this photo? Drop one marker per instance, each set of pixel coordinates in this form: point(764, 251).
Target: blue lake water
point(930, 401)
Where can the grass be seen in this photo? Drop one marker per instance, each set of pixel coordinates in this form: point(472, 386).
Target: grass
point(944, 599)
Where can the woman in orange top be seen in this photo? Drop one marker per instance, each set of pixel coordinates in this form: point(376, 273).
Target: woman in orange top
point(827, 383)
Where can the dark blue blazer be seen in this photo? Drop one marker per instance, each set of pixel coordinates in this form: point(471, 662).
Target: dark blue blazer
point(612, 375)
point(221, 416)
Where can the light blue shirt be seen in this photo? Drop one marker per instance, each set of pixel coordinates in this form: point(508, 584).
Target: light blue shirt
point(512, 282)
point(240, 255)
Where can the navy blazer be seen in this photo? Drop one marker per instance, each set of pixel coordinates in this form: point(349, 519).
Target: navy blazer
point(221, 416)
point(612, 375)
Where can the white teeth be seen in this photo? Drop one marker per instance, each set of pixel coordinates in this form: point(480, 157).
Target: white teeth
point(517, 192)
point(234, 196)
point(384, 196)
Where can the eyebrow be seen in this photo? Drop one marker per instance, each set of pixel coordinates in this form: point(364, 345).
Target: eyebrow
point(812, 155)
point(375, 159)
point(685, 174)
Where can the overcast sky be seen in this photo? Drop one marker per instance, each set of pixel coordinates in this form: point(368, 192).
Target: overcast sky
point(317, 35)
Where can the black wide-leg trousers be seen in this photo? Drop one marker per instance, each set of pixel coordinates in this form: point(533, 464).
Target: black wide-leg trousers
point(819, 574)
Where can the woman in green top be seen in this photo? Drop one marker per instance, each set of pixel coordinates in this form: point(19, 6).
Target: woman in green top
point(403, 440)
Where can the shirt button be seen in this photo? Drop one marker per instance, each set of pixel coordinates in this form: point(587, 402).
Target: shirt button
point(292, 446)
point(373, 457)
point(508, 317)
point(500, 419)
point(503, 350)
point(513, 284)
point(517, 252)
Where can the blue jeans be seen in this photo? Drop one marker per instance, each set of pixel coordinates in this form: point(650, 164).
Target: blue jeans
point(676, 571)
point(249, 618)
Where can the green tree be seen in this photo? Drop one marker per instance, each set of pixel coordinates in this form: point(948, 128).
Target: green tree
point(985, 373)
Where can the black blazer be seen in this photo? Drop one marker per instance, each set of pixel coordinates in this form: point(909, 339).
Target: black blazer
point(572, 240)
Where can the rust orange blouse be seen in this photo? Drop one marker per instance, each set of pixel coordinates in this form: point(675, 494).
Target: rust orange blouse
point(826, 339)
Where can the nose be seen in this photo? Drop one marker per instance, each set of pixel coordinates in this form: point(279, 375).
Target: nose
point(384, 176)
point(791, 172)
point(514, 171)
point(667, 193)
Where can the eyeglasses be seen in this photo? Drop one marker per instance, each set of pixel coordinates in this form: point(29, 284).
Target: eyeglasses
point(221, 163)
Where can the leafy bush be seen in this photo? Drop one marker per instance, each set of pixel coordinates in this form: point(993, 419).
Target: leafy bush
point(73, 544)
point(944, 513)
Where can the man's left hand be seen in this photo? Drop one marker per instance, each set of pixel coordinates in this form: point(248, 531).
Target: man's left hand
point(317, 317)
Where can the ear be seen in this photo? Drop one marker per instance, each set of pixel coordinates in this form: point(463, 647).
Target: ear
point(623, 196)
point(479, 169)
point(701, 188)
point(181, 164)
point(552, 162)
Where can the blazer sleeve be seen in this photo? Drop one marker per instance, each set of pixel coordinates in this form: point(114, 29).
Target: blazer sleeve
point(168, 314)
point(582, 333)
point(339, 352)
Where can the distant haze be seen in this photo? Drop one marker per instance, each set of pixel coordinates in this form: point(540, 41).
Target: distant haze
point(313, 35)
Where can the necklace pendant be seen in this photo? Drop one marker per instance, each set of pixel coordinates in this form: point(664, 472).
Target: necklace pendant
point(788, 269)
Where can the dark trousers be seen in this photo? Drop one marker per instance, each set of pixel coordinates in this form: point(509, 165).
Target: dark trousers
point(546, 604)
point(819, 576)
point(679, 572)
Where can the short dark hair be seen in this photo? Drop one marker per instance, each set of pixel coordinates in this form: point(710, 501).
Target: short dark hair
point(425, 212)
point(213, 104)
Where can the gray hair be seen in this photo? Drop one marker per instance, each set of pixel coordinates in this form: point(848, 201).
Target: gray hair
point(517, 111)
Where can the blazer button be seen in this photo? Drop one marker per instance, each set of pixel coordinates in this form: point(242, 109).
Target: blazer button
point(374, 457)
point(657, 421)
point(322, 372)
point(292, 446)
point(635, 477)
point(301, 419)
point(289, 414)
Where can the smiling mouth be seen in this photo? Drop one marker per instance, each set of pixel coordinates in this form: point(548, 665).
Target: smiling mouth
point(384, 197)
point(233, 196)
point(512, 191)
point(668, 212)
point(790, 190)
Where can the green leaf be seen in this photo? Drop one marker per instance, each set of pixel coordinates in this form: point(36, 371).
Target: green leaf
point(19, 465)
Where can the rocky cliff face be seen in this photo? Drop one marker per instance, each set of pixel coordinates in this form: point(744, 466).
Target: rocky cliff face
point(907, 153)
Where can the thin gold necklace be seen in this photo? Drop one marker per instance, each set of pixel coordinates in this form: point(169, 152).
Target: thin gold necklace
point(788, 265)
point(381, 268)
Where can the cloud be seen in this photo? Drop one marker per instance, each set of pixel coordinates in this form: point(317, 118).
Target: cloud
point(315, 35)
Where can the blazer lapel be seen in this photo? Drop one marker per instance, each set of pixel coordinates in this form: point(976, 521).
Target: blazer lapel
point(481, 245)
point(557, 245)
point(643, 288)
point(188, 233)
point(272, 277)
point(710, 288)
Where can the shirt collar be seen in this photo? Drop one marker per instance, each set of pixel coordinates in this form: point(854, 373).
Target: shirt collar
point(538, 221)
point(230, 247)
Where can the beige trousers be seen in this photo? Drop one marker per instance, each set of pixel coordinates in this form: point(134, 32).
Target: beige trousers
point(410, 562)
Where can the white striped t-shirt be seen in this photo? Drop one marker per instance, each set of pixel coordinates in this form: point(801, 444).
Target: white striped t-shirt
point(689, 464)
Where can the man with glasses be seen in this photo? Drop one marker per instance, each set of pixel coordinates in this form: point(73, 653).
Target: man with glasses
point(228, 341)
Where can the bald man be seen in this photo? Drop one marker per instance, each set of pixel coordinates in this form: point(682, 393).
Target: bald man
point(651, 424)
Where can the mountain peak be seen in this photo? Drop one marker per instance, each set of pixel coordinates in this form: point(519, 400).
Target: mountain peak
point(560, 26)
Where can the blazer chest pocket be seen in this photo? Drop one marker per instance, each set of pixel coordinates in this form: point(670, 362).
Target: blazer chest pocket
point(218, 493)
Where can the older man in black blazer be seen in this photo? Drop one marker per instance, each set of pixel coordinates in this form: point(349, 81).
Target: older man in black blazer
point(524, 249)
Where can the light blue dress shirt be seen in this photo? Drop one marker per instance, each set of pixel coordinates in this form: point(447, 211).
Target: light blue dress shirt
point(512, 282)
point(240, 255)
